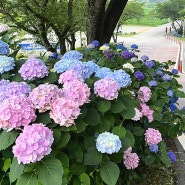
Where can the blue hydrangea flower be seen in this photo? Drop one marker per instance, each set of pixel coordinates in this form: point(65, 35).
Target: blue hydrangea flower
point(103, 72)
point(159, 73)
point(121, 77)
point(139, 75)
point(152, 83)
point(108, 143)
point(170, 93)
point(95, 43)
point(106, 44)
point(154, 148)
point(172, 156)
point(166, 77)
point(121, 47)
point(144, 58)
point(6, 63)
point(4, 48)
point(149, 63)
point(173, 107)
point(173, 99)
point(64, 65)
point(92, 67)
point(134, 46)
point(174, 71)
point(73, 54)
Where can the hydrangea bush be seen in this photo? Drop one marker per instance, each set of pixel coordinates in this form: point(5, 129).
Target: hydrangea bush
point(95, 116)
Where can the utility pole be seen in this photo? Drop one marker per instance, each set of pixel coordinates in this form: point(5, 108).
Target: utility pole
point(183, 31)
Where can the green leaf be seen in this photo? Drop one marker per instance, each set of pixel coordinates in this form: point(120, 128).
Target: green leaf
point(64, 139)
point(119, 131)
point(50, 171)
point(109, 172)
point(64, 159)
point(27, 179)
point(7, 139)
point(15, 170)
point(165, 85)
point(77, 168)
point(130, 138)
point(52, 77)
point(180, 94)
point(138, 131)
point(92, 117)
point(85, 180)
point(165, 159)
point(43, 118)
point(117, 107)
point(128, 113)
point(149, 159)
point(157, 116)
point(103, 106)
point(80, 125)
point(92, 157)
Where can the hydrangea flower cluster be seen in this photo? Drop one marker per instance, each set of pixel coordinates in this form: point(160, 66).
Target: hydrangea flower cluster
point(106, 88)
point(127, 54)
point(138, 115)
point(18, 88)
point(139, 75)
point(33, 68)
point(69, 76)
point(128, 66)
point(64, 112)
point(172, 156)
point(73, 54)
point(109, 54)
point(149, 63)
point(130, 160)
point(108, 143)
point(16, 111)
point(3, 87)
point(6, 63)
point(153, 136)
point(33, 143)
point(4, 48)
point(152, 83)
point(77, 92)
point(43, 95)
point(144, 58)
point(144, 94)
point(146, 111)
point(154, 148)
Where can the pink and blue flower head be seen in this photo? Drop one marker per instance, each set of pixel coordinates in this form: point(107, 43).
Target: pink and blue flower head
point(108, 143)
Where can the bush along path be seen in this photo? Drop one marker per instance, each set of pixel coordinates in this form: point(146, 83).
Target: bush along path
point(96, 116)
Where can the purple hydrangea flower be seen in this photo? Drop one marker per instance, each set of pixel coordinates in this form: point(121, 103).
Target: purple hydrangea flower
point(139, 75)
point(109, 54)
point(154, 148)
point(172, 156)
point(149, 63)
point(127, 54)
point(3, 88)
point(173, 107)
point(144, 58)
point(33, 68)
point(18, 88)
point(108, 143)
point(159, 73)
point(6, 64)
point(152, 83)
point(95, 43)
point(166, 77)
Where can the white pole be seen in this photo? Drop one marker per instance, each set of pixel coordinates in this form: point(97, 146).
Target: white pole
point(183, 31)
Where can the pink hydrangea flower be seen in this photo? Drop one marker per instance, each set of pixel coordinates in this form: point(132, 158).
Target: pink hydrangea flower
point(138, 115)
point(144, 94)
point(146, 111)
point(152, 136)
point(130, 160)
point(16, 111)
point(43, 95)
point(64, 112)
point(4, 27)
point(69, 76)
point(33, 143)
point(77, 92)
point(106, 88)
point(33, 68)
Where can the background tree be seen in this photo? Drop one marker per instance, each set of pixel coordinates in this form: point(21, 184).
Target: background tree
point(171, 9)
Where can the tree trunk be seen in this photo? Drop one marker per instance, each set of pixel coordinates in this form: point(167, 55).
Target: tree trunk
point(101, 20)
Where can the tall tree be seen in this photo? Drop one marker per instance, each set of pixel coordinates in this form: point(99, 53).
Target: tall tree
point(103, 16)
